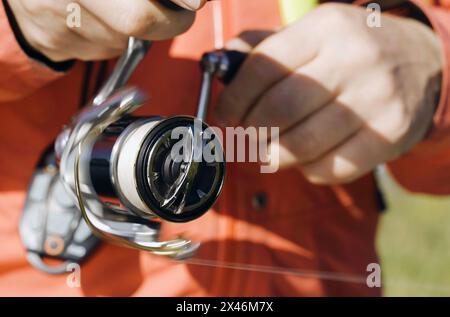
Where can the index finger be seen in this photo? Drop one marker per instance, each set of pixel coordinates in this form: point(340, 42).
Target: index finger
point(141, 18)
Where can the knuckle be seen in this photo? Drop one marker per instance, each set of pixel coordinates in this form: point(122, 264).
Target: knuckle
point(267, 111)
point(398, 122)
point(313, 179)
point(387, 87)
point(322, 174)
point(36, 6)
point(332, 14)
point(228, 101)
point(360, 50)
point(315, 175)
point(365, 49)
point(373, 51)
point(50, 40)
point(342, 180)
point(135, 22)
point(308, 147)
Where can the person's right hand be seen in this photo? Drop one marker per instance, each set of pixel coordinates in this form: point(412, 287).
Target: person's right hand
point(105, 25)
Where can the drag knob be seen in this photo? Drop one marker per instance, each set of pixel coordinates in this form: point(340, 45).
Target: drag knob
point(174, 178)
point(223, 64)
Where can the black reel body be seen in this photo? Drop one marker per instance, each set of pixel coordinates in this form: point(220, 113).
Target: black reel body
point(51, 225)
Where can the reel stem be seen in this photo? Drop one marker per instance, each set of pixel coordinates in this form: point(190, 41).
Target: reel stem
point(126, 65)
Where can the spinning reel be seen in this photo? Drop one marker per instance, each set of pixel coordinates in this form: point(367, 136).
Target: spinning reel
point(121, 176)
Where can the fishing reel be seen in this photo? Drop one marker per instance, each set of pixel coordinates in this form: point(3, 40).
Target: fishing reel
point(126, 175)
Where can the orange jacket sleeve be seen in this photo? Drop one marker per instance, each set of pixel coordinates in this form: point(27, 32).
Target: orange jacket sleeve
point(19, 74)
point(426, 168)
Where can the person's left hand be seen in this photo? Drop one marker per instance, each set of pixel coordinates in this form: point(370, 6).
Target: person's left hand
point(346, 97)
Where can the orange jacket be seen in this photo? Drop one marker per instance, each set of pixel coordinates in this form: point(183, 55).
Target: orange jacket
point(285, 247)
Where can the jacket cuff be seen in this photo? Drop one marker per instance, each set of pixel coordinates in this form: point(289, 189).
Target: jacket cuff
point(441, 120)
point(28, 49)
point(19, 74)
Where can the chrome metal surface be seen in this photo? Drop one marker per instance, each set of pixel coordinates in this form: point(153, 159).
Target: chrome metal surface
point(130, 59)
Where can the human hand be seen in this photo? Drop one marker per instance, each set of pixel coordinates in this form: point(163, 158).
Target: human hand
point(346, 97)
point(105, 25)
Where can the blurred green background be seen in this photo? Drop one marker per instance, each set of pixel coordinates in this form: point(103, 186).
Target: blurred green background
point(414, 242)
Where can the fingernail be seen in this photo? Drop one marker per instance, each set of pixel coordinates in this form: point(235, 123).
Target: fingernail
point(191, 4)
